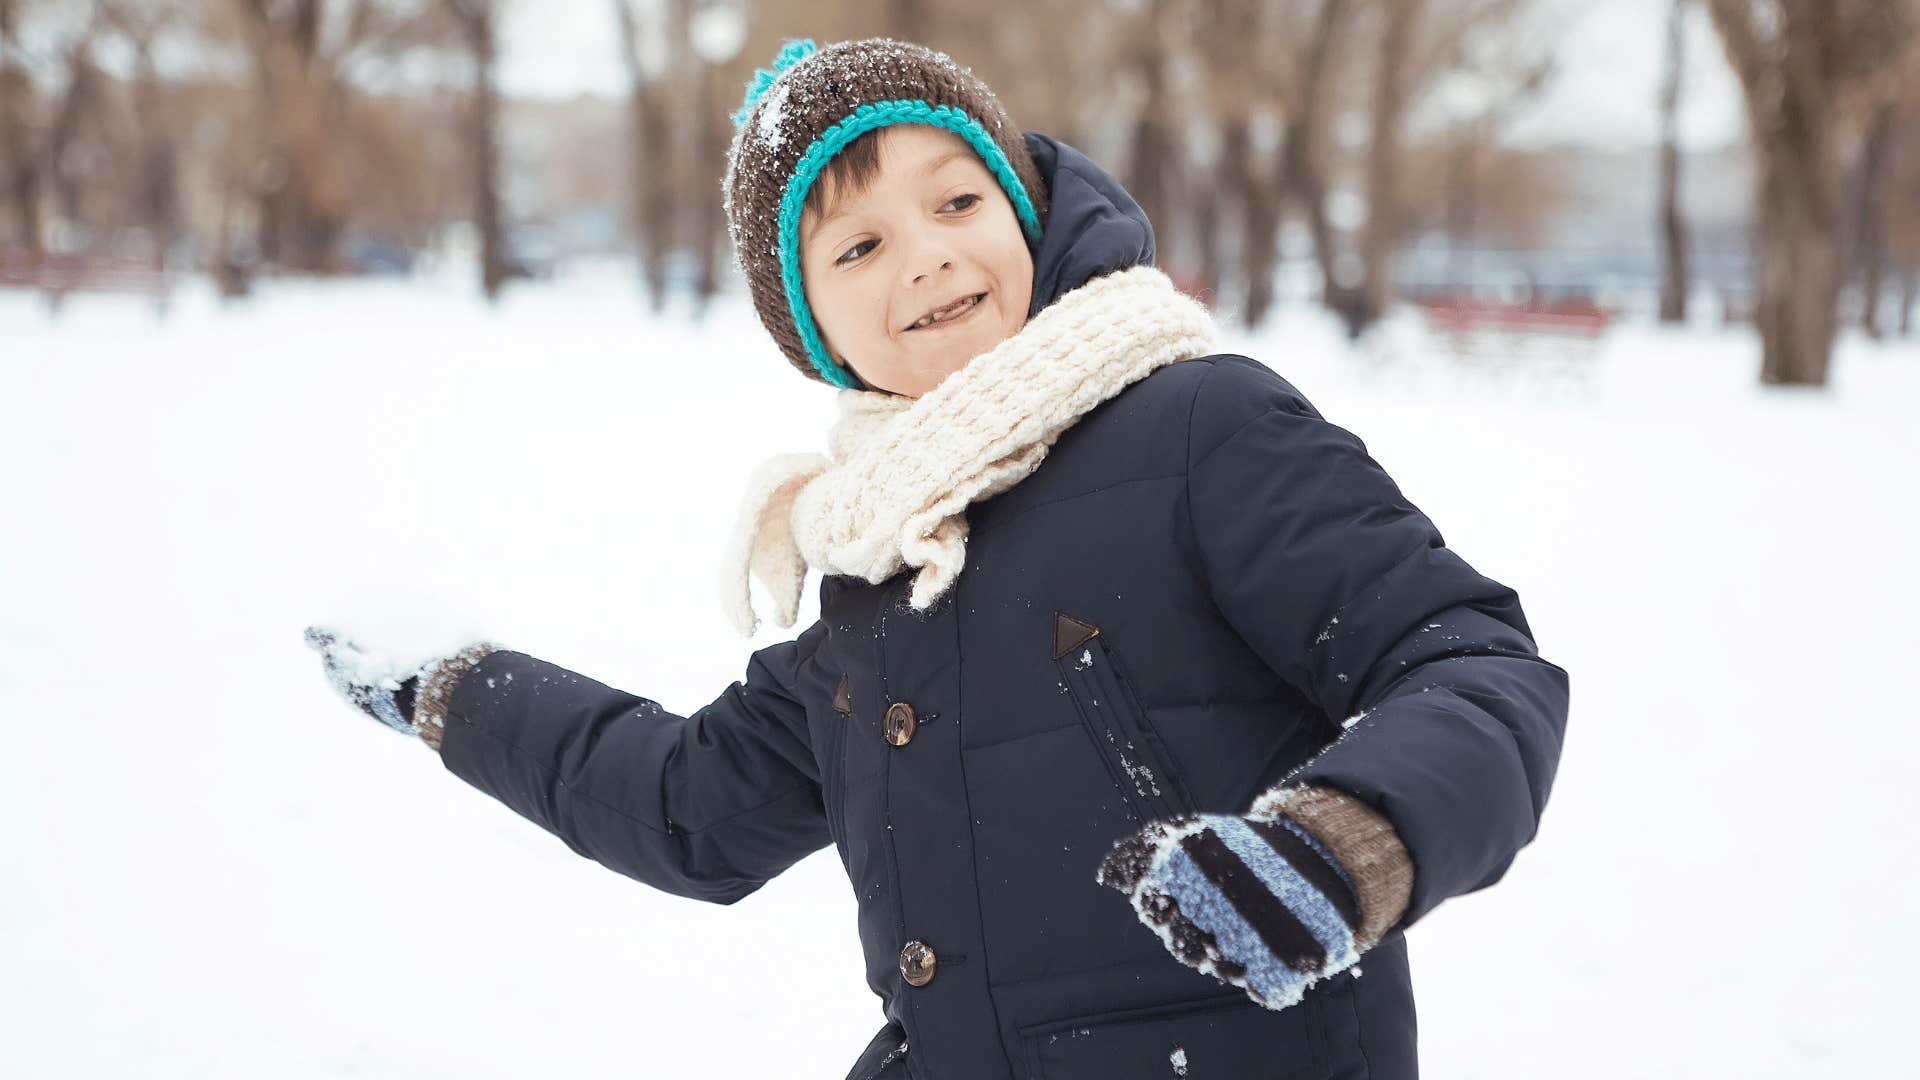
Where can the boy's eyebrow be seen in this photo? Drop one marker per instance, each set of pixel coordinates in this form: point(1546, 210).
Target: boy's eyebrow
point(934, 165)
point(931, 167)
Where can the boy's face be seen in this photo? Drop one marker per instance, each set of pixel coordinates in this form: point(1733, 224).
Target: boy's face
point(933, 227)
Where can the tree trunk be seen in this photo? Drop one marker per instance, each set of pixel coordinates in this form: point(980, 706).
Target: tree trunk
point(709, 146)
point(1381, 238)
point(1257, 196)
point(297, 229)
point(1461, 212)
point(908, 19)
point(19, 170)
point(486, 182)
point(476, 21)
point(1146, 170)
point(1799, 264)
point(1261, 249)
point(1205, 201)
point(1299, 161)
point(650, 192)
point(81, 77)
point(1677, 280)
point(1798, 63)
point(159, 182)
point(1869, 249)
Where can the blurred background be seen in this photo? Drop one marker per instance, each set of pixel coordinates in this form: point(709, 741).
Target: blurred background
point(1486, 159)
point(309, 306)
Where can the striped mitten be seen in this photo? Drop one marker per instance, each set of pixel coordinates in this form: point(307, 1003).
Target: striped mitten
point(1256, 901)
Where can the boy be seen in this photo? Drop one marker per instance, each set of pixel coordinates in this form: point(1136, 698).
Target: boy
point(1102, 610)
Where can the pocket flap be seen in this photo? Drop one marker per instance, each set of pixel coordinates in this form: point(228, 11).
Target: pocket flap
point(1214, 1037)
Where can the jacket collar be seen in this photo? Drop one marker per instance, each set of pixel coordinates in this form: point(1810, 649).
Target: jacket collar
point(1092, 226)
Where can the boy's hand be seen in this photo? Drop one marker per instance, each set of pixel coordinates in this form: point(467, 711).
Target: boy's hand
point(1251, 900)
point(407, 693)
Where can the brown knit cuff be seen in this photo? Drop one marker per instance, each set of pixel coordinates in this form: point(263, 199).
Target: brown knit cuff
point(1363, 840)
point(436, 687)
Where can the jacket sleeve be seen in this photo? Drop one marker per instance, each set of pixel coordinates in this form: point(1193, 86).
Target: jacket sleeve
point(1452, 722)
point(710, 806)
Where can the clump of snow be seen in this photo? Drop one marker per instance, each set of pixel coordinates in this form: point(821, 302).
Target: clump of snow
point(773, 114)
point(1179, 1059)
point(387, 633)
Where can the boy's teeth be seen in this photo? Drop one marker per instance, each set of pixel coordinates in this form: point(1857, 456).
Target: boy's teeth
point(943, 316)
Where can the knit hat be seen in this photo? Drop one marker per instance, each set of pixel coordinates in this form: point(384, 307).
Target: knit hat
point(807, 109)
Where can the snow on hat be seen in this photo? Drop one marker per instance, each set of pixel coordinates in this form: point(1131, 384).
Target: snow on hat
point(808, 108)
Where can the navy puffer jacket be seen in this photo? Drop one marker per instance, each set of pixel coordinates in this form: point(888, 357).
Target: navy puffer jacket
point(1256, 580)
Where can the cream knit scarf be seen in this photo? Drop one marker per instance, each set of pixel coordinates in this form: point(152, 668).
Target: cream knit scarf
point(893, 489)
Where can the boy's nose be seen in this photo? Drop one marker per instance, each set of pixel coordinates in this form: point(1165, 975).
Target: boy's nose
point(944, 264)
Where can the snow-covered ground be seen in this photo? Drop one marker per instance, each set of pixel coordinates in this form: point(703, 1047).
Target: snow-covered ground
point(215, 869)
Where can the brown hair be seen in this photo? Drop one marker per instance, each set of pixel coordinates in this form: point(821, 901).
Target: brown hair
point(850, 170)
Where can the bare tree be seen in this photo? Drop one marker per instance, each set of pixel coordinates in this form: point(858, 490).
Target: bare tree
point(1380, 239)
point(19, 167)
point(298, 50)
point(699, 86)
point(40, 138)
point(650, 142)
point(157, 199)
point(1676, 280)
point(1867, 247)
point(1897, 204)
point(1309, 110)
point(1797, 60)
point(1419, 43)
point(477, 22)
point(907, 19)
point(1149, 169)
point(1235, 80)
point(83, 80)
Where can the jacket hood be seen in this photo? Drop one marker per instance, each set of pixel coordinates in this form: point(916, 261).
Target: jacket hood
point(1093, 226)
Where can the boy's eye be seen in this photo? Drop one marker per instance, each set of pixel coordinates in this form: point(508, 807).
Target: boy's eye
point(850, 251)
point(966, 201)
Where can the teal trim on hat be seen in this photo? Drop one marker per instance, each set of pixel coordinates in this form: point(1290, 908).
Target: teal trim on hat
point(857, 123)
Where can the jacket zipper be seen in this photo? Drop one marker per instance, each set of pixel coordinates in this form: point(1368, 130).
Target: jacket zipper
point(837, 774)
point(1116, 722)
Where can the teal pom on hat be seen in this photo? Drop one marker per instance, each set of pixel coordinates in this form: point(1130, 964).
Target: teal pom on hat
point(790, 54)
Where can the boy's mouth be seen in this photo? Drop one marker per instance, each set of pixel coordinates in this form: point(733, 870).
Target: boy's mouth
point(950, 312)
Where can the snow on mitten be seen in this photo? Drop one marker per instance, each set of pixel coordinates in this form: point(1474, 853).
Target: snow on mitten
point(406, 691)
point(1257, 900)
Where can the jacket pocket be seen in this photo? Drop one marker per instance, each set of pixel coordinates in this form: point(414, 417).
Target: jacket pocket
point(1091, 670)
point(1219, 1036)
point(833, 792)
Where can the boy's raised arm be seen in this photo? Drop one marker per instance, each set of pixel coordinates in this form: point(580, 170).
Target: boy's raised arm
point(1453, 721)
point(709, 806)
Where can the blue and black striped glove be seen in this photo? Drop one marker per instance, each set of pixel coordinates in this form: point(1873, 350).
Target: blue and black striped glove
point(1255, 900)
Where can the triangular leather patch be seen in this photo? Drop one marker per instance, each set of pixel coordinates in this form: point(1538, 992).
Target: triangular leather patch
point(1070, 633)
point(842, 702)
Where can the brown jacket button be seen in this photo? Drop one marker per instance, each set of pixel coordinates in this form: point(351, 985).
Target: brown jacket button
point(916, 963)
point(900, 723)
